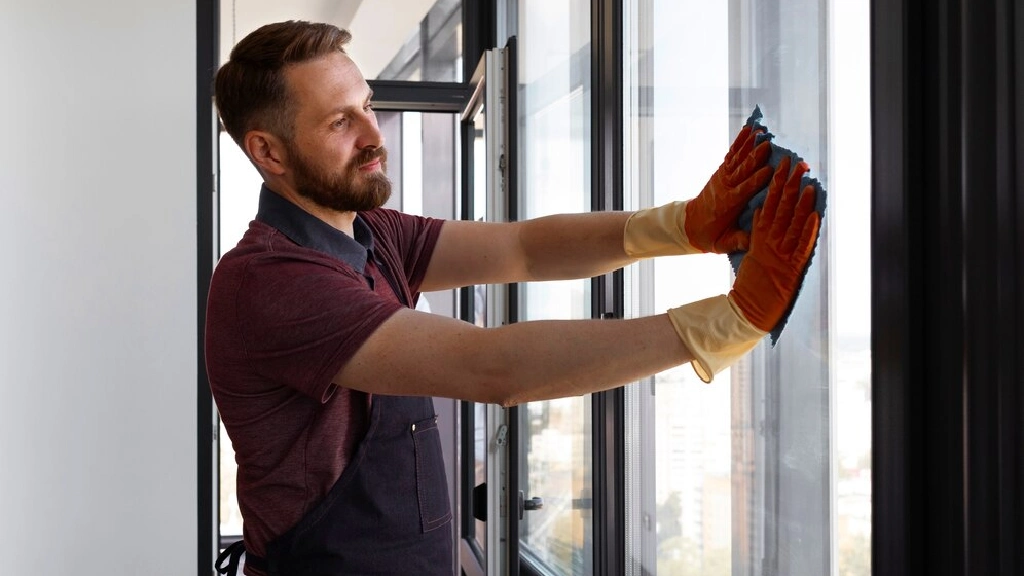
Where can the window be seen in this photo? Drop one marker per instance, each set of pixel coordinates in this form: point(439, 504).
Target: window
point(956, 77)
point(424, 44)
point(554, 120)
point(474, 428)
point(391, 39)
point(766, 470)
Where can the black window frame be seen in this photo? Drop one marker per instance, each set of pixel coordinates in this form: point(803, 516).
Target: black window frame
point(207, 476)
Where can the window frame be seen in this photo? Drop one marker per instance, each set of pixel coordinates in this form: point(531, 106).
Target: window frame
point(608, 419)
point(928, 72)
point(606, 292)
point(207, 476)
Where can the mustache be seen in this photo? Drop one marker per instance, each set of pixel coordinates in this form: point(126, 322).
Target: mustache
point(368, 155)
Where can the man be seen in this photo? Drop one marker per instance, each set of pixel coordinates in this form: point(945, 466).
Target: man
point(323, 371)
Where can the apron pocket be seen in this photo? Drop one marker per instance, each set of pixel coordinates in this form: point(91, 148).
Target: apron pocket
point(431, 487)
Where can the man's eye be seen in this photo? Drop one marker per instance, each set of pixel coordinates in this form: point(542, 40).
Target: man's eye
point(338, 123)
point(368, 107)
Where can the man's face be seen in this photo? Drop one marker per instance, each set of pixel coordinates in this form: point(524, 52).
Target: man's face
point(336, 157)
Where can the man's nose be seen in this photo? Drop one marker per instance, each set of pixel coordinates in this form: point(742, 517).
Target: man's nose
point(370, 135)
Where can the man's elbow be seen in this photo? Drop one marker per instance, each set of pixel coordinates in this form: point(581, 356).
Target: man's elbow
point(510, 402)
point(501, 391)
point(495, 384)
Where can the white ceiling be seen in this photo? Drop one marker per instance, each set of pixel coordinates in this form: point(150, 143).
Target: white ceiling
point(379, 27)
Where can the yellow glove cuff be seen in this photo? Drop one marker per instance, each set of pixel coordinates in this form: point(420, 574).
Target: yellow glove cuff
point(715, 332)
point(658, 232)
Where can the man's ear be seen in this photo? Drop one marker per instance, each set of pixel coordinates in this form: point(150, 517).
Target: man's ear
point(265, 150)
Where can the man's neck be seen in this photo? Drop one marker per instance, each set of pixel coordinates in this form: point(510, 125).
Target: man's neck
point(339, 220)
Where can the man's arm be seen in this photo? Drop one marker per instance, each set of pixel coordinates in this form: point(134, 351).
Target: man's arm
point(415, 353)
point(556, 247)
point(585, 245)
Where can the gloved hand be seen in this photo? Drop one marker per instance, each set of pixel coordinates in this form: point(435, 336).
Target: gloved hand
point(784, 232)
point(706, 223)
point(720, 330)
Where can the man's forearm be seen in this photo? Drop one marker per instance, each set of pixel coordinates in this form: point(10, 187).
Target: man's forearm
point(413, 353)
point(555, 359)
point(559, 247)
point(567, 246)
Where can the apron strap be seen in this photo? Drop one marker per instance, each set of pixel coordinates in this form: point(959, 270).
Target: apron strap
point(232, 554)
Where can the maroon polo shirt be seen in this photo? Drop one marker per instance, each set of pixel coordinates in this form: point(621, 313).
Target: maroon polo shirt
point(287, 307)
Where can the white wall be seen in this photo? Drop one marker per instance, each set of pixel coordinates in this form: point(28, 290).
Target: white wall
point(98, 292)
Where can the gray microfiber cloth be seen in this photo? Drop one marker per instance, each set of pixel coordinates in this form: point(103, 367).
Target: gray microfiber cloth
point(746, 218)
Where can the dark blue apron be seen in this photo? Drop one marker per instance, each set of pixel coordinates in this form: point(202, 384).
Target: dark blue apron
point(389, 511)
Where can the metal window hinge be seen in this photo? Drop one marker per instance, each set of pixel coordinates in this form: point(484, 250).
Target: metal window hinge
point(501, 437)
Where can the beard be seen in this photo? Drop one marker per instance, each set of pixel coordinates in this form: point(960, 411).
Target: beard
point(344, 190)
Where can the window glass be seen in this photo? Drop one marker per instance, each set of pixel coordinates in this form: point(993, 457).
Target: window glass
point(479, 440)
point(409, 39)
point(391, 39)
point(554, 123)
point(851, 284)
point(766, 470)
point(239, 199)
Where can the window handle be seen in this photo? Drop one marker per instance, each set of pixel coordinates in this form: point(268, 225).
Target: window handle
point(532, 504)
point(480, 502)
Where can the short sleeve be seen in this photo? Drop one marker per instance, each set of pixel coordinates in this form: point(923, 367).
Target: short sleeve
point(304, 318)
point(410, 238)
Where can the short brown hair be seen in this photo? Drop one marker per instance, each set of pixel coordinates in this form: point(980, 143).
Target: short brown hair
point(250, 90)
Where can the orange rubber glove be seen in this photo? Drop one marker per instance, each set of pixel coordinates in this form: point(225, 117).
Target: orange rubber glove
point(706, 223)
point(720, 330)
point(784, 232)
